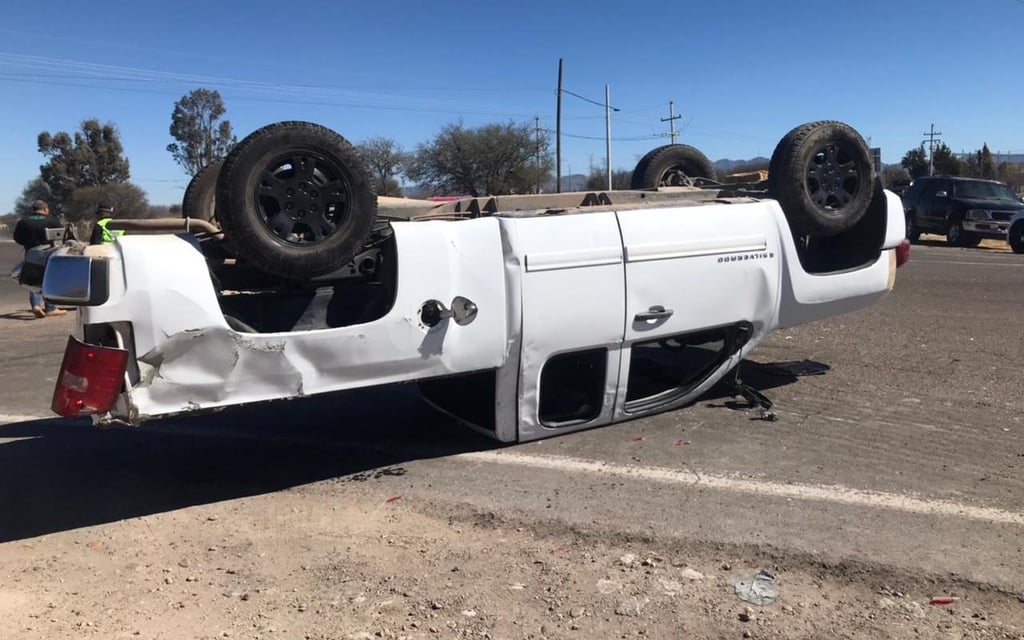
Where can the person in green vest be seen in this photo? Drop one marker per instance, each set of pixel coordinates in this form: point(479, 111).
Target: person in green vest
point(100, 232)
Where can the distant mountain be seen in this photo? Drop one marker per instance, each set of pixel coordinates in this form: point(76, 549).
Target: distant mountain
point(726, 166)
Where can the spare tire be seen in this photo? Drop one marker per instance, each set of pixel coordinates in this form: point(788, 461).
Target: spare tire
point(821, 174)
point(673, 165)
point(201, 194)
point(295, 201)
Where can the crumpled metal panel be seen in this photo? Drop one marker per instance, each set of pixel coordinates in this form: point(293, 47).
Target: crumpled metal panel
point(190, 359)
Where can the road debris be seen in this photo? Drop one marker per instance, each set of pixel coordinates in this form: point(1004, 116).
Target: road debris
point(630, 607)
point(758, 589)
point(691, 574)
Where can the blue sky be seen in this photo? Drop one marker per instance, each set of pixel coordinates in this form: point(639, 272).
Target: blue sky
point(741, 73)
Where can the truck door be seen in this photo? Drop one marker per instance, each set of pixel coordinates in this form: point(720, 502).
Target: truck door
point(572, 284)
point(935, 202)
point(701, 281)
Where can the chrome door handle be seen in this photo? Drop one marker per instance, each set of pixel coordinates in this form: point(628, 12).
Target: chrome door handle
point(656, 312)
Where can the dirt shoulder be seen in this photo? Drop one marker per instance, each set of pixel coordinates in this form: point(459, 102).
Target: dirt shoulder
point(343, 559)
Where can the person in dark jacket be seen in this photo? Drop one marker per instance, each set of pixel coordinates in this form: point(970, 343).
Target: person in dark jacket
point(31, 232)
point(100, 232)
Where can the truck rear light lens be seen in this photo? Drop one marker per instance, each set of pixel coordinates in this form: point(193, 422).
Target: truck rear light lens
point(90, 379)
point(902, 252)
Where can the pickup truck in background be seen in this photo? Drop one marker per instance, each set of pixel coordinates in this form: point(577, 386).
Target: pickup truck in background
point(523, 316)
point(964, 210)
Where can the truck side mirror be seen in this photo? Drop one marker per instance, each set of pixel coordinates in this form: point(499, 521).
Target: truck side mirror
point(941, 194)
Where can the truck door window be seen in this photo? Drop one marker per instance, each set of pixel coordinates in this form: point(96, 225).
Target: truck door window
point(572, 387)
point(662, 370)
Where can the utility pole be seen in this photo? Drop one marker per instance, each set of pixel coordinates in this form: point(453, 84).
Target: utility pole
point(558, 134)
point(932, 135)
point(608, 133)
point(672, 117)
point(536, 124)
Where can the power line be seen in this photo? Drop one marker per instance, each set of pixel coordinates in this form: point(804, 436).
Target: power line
point(110, 73)
point(576, 95)
point(324, 102)
point(626, 139)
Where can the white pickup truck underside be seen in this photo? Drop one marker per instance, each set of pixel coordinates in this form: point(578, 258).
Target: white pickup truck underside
point(584, 317)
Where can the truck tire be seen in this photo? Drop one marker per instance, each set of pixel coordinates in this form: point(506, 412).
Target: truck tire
point(1015, 238)
point(822, 176)
point(295, 201)
point(672, 165)
point(201, 194)
point(913, 233)
point(955, 234)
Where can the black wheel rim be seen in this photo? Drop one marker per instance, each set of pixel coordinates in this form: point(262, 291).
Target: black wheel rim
point(833, 176)
point(303, 198)
point(675, 176)
point(954, 233)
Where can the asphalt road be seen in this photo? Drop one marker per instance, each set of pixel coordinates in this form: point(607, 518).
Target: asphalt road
point(906, 456)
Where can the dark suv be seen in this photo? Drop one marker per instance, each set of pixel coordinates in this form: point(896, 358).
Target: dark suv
point(965, 210)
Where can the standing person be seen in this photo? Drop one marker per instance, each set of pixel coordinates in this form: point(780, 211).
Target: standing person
point(31, 232)
point(100, 232)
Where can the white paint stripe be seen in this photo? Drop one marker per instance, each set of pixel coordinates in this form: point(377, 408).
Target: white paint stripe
point(825, 493)
point(593, 257)
point(11, 418)
point(12, 440)
point(977, 264)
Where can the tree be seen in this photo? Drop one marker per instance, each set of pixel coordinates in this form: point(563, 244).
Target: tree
point(915, 162)
point(201, 139)
point(598, 179)
point(986, 167)
point(893, 174)
point(970, 164)
point(93, 157)
point(128, 200)
point(36, 189)
point(385, 159)
point(493, 159)
point(945, 161)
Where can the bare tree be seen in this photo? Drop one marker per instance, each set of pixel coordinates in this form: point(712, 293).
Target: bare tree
point(493, 159)
point(202, 137)
point(386, 159)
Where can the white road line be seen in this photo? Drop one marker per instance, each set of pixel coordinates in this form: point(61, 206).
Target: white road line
point(824, 493)
point(11, 418)
point(979, 264)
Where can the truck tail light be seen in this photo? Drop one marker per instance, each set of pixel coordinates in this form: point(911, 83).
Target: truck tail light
point(902, 252)
point(90, 379)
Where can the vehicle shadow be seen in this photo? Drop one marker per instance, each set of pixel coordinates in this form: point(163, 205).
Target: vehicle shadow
point(58, 475)
point(761, 376)
point(21, 316)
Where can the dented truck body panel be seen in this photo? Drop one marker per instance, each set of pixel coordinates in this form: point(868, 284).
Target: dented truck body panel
point(611, 284)
point(190, 359)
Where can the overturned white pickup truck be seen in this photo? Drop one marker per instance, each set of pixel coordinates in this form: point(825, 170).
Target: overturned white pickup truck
point(523, 316)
